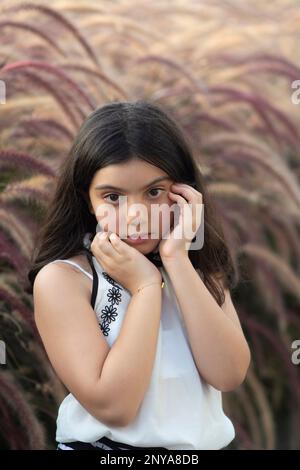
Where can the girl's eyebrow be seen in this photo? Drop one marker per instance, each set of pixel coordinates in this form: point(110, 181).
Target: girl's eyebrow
point(108, 186)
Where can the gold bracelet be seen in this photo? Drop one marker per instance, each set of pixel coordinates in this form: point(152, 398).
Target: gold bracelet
point(161, 284)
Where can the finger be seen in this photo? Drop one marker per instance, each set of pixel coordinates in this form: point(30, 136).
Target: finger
point(194, 204)
point(188, 192)
point(185, 192)
point(114, 247)
point(105, 246)
point(95, 245)
point(194, 190)
point(117, 243)
point(186, 215)
point(180, 200)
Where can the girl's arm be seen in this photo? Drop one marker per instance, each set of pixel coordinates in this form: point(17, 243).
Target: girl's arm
point(109, 382)
point(219, 348)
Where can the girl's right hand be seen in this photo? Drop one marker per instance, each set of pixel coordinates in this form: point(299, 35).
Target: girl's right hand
point(124, 263)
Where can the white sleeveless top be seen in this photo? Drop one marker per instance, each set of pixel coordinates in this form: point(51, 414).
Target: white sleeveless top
point(179, 410)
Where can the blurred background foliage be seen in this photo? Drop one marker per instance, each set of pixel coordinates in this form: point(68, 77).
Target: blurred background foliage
point(223, 70)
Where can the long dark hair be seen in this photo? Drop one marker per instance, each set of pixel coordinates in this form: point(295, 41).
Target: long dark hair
point(112, 134)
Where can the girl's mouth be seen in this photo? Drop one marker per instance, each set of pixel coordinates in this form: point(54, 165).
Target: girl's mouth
point(137, 239)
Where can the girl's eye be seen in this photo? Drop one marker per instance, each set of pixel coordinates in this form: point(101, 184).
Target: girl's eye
point(156, 189)
point(109, 195)
point(113, 195)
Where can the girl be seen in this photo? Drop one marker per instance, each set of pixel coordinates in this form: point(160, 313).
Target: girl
point(142, 332)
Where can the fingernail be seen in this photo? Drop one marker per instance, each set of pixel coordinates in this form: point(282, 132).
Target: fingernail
point(113, 236)
point(102, 235)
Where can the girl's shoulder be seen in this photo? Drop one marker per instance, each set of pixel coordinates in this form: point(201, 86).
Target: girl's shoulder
point(59, 271)
point(77, 264)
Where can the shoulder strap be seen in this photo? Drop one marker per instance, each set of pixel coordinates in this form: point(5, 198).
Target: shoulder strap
point(95, 278)
point(73, 264)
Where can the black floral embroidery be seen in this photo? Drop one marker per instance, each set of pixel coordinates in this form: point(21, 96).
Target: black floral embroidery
point(109, 312)
point(111, 280)
point(114, 295)
point(105, 328)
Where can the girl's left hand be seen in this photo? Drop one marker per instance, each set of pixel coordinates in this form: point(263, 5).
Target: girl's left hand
point(190, 203)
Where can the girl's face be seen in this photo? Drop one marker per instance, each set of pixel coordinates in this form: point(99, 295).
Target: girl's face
point(117, 188)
